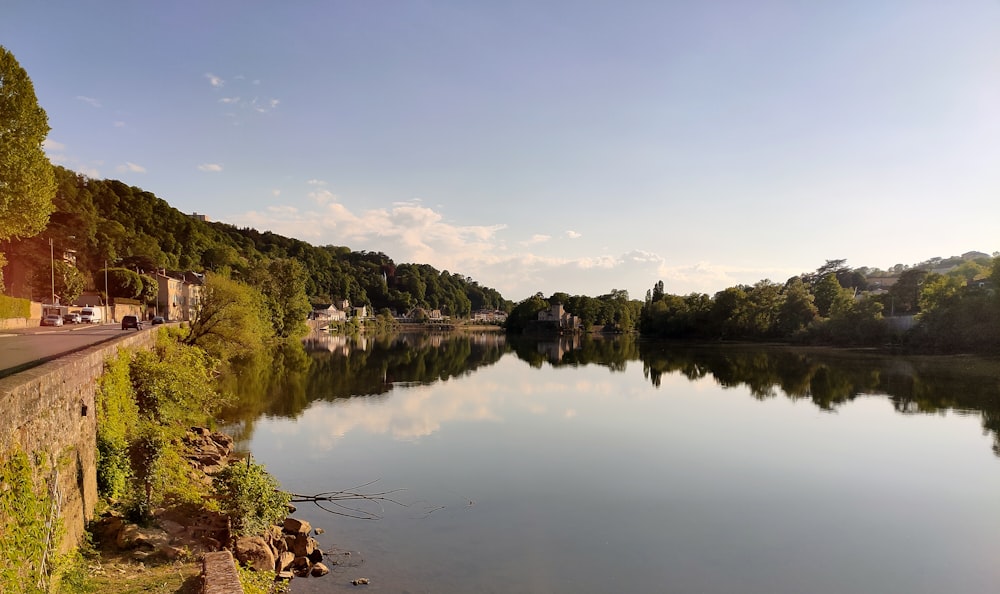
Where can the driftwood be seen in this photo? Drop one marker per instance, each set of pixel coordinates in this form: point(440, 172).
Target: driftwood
point(333, 501)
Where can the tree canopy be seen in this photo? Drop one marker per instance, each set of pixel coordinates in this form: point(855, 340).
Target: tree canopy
point(27, 185)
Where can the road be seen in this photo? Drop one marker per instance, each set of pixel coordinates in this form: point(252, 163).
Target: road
point(22, 349)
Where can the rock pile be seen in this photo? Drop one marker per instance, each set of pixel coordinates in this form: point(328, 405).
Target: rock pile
point(175, 533)
point(288, 549)
point(207, 451)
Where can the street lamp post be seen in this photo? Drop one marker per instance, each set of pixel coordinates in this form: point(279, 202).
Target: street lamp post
point(107, 296)
point(52, 258)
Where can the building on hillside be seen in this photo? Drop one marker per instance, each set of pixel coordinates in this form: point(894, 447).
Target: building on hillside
point(558, 318)
point(328, 313)
point(489, 316)
point(179, 296)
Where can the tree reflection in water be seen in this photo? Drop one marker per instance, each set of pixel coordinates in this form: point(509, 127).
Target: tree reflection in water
point(286, 380)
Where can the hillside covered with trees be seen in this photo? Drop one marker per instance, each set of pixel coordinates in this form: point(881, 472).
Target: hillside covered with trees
point(106, 222)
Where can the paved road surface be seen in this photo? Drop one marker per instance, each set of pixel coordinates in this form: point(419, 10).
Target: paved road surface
point(22, 349)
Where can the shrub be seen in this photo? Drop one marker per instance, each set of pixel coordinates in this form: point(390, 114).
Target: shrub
point(29, 528)
point(117, 416)
point(251, 496)
point(13, 307)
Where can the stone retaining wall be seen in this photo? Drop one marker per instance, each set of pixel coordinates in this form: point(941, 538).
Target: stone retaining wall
point(49, 411)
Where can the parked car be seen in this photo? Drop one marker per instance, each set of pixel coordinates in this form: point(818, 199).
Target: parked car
point(52, 320)
point(71, 318)
point(131, 322)
point(91, 315)
point(158, 320)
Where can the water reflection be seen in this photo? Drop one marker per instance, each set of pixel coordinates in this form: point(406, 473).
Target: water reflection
point(286, 381)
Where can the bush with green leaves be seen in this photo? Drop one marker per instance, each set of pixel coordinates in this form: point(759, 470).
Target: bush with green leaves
point(118, 416)
point(30, 529)
point(251, 496)
point(13, 307)
point(260, 582)
point(146, 402)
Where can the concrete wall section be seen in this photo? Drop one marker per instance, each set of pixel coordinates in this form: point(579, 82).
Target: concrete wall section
point(49, 411)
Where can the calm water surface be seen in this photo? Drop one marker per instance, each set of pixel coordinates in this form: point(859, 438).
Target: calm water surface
point(619, 466)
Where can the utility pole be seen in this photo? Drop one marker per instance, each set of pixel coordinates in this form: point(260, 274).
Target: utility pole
point(107, 296)
point(52, 258)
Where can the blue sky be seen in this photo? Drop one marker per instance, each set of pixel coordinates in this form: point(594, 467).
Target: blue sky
point(544, 146)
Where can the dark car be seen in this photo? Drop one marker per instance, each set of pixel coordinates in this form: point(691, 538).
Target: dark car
point(131, 322)
point(158, 320)
point(71, 318)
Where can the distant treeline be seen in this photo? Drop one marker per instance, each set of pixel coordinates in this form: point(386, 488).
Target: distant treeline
point(958, 310)
point(108, 222)
point(951, 311)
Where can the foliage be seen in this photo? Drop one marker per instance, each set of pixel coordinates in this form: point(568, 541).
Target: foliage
point(174, 383)
point(524, 312)
point(27, 184)
point(122, 282)
point(233, 319)
point(29, 527)
point(117, 417)
point(956, 314)
point(13, 307)
point(252, 497)
point(68, 281)
point(260, 582)
point(798, 310)
point(283, 284)
point(905, 293)
point(146, 402)
point(109, 221)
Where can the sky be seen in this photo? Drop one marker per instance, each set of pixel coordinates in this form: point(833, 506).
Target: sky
point(542, 146)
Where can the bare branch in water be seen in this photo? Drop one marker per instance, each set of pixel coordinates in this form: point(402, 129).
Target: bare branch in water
point(332, 501)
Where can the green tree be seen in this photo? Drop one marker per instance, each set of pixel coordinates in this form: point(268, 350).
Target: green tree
point(68, 281)
point(525, 312)
point(904, 295)
point(283, 284)
point(937, 290)
point(233, 319)
point(122, 282)
point(150, 289)
point(798, 310)
point(27, 183)
point(829, 294)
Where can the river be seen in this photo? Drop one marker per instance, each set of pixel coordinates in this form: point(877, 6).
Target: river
point(617, 465)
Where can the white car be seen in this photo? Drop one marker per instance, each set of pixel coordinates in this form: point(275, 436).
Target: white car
point(52, 320)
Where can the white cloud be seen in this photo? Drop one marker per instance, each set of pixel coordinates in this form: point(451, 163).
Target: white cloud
point(573, 234)
point(316, 182)
point(322, 197)
point(210, 167)
point(89, 101)
point(411, 232)
point(263, 106)
point(707, 277)
point(213, 80)
point(118, 124)
point(276, 192)
point(229, 100)
point(132, 167)
point(536, 239)
point(52, 145)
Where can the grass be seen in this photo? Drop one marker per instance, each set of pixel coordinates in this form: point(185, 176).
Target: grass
point(112, 572)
